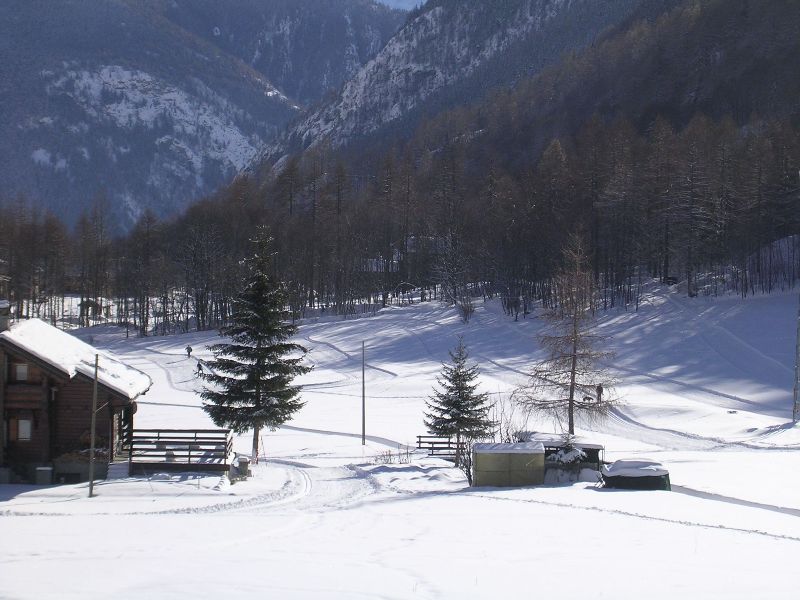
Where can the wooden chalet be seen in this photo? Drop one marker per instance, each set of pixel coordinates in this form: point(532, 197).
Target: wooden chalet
point(46, 387)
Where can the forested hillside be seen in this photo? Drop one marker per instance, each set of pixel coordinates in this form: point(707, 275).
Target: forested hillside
point(672, 146)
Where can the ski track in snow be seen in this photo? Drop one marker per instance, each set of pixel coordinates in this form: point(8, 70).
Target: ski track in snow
point(314, 492)
point(349, 357)
point(371, 438)
point(673, 439)
point(302, 490)
point(434, 323)
point(743, 345)
point(622, 425)
point(175, 385)
point(690, 386)
point(702, 324)
point(625, 513)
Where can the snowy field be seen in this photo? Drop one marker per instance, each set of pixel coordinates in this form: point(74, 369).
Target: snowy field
point(707, 390)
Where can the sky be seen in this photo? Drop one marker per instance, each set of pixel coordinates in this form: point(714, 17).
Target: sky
point(402, 4)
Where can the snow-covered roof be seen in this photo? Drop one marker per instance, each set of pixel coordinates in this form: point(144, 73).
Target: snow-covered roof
point(555, 440)
point(518, 448)
point(67, 353)
point(635, 467)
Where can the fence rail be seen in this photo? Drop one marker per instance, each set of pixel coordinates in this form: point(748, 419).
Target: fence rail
point(179, 449)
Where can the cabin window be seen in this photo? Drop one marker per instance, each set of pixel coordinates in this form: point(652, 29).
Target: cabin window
point(20, 430)
point(21, 372)
point(24, 429)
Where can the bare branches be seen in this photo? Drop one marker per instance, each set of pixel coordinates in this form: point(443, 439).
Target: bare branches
point(572, 379)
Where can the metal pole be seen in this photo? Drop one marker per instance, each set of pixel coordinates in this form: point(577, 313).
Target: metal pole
point(363, 399)
point(796, 405)
point(91, 432)
point(3, 377)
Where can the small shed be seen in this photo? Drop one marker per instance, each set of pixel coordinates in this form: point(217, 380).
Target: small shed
point(636, 474)
point(553, 443)
point(508, 465)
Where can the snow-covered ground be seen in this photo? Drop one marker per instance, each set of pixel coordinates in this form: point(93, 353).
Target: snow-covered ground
point(707, 391)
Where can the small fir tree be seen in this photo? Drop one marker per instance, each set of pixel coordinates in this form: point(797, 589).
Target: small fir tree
point(251, 376)
point(458, 409)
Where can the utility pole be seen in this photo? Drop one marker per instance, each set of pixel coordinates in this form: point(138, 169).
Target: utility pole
point(796, 405)
point(363, 398)
point(91, 431)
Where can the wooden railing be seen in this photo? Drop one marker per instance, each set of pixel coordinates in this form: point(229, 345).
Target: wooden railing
point(180, 449)
point(443, 447)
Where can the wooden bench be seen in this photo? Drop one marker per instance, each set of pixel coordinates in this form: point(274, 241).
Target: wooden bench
point(179, 449)
point(439, 446)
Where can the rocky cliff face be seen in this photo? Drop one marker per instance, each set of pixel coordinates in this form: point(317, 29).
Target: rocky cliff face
point(450, 52)
point(155, 103)
point(306, 48)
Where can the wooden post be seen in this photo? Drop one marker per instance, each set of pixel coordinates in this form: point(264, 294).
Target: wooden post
point(44, 420)
point(94, 423)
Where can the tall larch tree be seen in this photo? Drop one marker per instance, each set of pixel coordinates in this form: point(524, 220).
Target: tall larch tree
point(572, 377)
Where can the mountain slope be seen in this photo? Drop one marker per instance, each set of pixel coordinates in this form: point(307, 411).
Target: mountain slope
point(718, 58)
point(305, 48)
point(115, 98)
point(448, 53)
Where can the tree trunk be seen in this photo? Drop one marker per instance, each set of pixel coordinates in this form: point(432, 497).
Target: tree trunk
point(573, 368)
point(256, 431)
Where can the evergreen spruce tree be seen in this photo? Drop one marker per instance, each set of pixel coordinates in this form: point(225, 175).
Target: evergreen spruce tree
point(458, 409)
point(251, 376)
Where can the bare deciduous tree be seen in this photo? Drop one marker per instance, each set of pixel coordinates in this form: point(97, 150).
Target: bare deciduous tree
point(571, 379)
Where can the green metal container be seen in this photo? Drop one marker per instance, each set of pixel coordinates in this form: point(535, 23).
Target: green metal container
point(507, 465)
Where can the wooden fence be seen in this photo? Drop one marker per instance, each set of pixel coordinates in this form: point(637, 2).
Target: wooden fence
point(179, 450)
point(442, 447)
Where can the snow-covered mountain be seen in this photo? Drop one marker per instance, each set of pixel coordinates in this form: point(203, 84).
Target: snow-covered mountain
point(450, 52)
point(154, 104)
